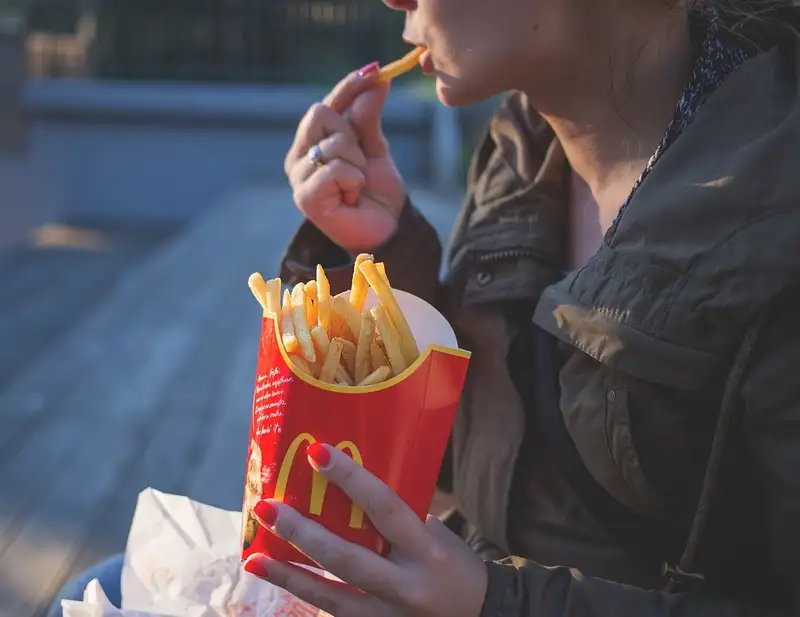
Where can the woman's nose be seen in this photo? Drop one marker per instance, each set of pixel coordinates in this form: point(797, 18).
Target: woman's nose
point(401, 5)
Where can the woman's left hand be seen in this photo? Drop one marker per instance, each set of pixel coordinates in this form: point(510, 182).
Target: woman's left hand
point(429, 572)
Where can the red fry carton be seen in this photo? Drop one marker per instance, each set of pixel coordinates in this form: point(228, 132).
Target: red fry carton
point(398, 430)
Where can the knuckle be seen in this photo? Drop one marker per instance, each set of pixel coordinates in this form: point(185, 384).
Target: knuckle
point(278, 576)
point(337, 142)
point(288, 163)
point(317, 112)
point(323, 602)
point(344, 470)
point(301, 201)
point(289, 530)
point(336, 167)
point(379, 507)
point(334, 559)
point(436, 556)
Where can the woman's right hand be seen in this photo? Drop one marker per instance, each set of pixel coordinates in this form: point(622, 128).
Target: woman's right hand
point(355, 197)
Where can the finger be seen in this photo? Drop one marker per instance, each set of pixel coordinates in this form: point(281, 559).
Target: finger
point(365, 116)
point(336, 146)
point(350, 562)
point(314, 195)
point(393, 519)
point(319, 122)
point(330, 596)
point(345, 92)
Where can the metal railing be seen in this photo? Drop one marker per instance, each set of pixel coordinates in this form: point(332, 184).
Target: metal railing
point(286, 41)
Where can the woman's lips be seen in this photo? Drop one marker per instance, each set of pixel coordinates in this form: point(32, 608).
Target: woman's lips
point(426, 62)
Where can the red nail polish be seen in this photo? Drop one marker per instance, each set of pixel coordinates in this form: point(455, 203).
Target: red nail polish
point(370, 68)
point(319, 454)
point(266, 513)
point(255, 567)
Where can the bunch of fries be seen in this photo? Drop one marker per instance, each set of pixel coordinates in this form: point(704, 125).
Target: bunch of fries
point(335, 339)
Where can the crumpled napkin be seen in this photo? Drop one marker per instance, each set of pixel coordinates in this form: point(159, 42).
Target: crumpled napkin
point(183, 560)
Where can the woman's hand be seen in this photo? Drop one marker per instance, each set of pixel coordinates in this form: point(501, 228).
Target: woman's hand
point(430, 572)
point(354, 194)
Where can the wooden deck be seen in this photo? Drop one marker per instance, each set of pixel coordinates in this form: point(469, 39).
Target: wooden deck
point(125, 367)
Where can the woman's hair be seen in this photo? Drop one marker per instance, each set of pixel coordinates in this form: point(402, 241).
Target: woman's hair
point(756, 21)
point(739, 11)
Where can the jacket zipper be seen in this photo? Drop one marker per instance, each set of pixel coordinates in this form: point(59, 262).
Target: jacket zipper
point(504, 254)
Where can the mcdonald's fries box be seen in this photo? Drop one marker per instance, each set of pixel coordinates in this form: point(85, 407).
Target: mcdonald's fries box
point(397, 429)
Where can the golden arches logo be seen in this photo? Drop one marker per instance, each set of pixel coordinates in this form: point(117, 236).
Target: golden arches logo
point(319, 483)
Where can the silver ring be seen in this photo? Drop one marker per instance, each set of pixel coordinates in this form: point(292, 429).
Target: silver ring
point(315, 156)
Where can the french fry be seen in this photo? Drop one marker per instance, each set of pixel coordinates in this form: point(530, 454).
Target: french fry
point(359, 287)
point(377, 376)
point(349, 314)
point(403, 65)
point(323, 299)
point(342, 377)
point(332, 362)
point(385, 294)
point(363, 364)
point(339, 328)
point(348, 355)
point(322, 344)
point(301, 330)
point(273, 292)
point(302, 365)
point(259, 289)
point(390, 339)
point(377, 357)
point(311, 302)
point(287, 324)
point(382, 269)
point(321, 340)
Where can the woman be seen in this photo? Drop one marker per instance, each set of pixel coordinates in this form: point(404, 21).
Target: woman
point(625, 271)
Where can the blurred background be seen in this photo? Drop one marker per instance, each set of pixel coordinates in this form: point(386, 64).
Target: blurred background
point(141, 182)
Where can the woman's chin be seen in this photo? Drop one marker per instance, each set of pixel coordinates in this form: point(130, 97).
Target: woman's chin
point(454, 93)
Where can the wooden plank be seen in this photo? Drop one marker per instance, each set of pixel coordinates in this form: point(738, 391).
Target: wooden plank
point(75, 282)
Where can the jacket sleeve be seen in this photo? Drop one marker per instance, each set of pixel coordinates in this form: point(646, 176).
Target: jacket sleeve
point(771, 401)
point(412, 257)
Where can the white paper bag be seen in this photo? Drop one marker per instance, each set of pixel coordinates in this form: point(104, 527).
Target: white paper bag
point(182, 560)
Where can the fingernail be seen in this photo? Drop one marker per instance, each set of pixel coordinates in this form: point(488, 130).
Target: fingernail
point(369, 68)
point(266, 513)
point(319, 455)
point(256, 567)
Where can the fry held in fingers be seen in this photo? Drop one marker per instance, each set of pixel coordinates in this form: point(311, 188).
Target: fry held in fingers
point(401, 66)
point(335, 339)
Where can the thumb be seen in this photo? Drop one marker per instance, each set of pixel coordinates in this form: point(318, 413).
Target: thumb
point(365, 116)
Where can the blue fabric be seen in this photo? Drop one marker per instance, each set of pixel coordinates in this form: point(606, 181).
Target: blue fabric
point(108, 572)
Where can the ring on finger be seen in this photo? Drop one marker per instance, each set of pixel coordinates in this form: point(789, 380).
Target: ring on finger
point(315, 156)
